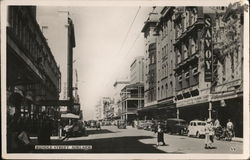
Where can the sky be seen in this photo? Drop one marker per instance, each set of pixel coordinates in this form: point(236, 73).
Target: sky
point(101, 59)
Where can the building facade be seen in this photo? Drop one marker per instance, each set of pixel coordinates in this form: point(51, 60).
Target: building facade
point(199, 64)
point(166, 64)
point(132, 100)
point(227, 94)
point(191, 72)
point(33, 75)
point(137, 70)
point(150, 69)
point(63, 29)
point(118, 86)
point(32, 71)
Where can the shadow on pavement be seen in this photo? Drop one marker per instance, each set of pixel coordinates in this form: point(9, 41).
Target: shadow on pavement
point(102, 131)
point(128, 144)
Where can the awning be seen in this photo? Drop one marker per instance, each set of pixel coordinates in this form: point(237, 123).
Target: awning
point(70, 115)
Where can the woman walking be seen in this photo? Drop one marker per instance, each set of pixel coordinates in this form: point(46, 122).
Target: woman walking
point(160, 135)
point(209, 134)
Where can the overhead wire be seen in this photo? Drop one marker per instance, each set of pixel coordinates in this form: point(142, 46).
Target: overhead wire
point(125, 39)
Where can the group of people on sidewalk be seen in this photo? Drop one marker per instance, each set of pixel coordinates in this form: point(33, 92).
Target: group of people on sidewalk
point(210, 129)
point(209, 132)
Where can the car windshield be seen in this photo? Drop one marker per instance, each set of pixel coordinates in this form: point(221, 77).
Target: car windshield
point(201, 124)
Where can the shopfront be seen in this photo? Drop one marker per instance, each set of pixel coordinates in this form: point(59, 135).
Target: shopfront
point(193, 108)
point(229, 106)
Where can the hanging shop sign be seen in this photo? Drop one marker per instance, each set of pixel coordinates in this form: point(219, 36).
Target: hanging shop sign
point(208, 57)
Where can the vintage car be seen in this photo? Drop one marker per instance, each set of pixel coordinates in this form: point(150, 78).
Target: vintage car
point(196, 128)
point(176, 126)
point(121, 124)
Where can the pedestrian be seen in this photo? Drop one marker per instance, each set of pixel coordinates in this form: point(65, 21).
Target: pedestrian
point(160, 135)
point(230, 129)
point(98, 125)
point(217, 123)
point(209, 134)
point(45, 131)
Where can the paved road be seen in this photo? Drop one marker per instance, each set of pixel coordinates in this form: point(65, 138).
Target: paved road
point(131, 140)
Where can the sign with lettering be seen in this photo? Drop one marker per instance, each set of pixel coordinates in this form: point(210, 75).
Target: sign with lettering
point(193, 101)
point(208, 57)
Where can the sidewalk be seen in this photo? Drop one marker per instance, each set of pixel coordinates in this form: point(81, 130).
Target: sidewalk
point(237, 139)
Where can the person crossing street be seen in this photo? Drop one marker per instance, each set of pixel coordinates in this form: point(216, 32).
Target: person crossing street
point(209, 135)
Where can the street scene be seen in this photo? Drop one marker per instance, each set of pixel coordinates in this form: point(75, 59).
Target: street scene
point(110, 139)
point(125, 79)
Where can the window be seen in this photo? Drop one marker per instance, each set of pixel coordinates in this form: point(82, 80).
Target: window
point(193, 46)
point(178, 56)
point(171, 86)
point(179, 78)
point(185, 51)
point(232, 61)
point(162, 89)
point(195, 71)
point(187, 75)
point(162, 52)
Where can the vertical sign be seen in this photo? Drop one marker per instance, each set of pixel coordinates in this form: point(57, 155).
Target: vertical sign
point(208, 48)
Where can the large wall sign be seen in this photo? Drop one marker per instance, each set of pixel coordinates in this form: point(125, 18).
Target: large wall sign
point(208, 57)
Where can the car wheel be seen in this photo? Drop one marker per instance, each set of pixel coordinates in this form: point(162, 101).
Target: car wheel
point(197, 134)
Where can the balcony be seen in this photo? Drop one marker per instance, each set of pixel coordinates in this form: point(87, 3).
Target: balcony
point(198, 24)
point(132, 96)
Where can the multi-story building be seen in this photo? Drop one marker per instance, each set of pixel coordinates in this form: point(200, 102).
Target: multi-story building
point(33, 75)
point(227, 93)
point(191, 73)
point(104, 110)
point(118, 86)
point(150, 69)
point(99, 111)
point(199, 64)
point(137, 70)
point(132, 99)
point(108, 108)
point(165, 64)
point(32, 72)
point(132, 95)
point(58, 29)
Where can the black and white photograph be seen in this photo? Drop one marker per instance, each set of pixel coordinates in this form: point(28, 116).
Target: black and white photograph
point(124, 79)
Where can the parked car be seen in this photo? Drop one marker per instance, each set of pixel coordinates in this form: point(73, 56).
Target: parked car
point(92, 124)
point(78, 129)
point(141, 124)
point(148, 125)
point(196, 128)
point(176, 126)
point(121, 124)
